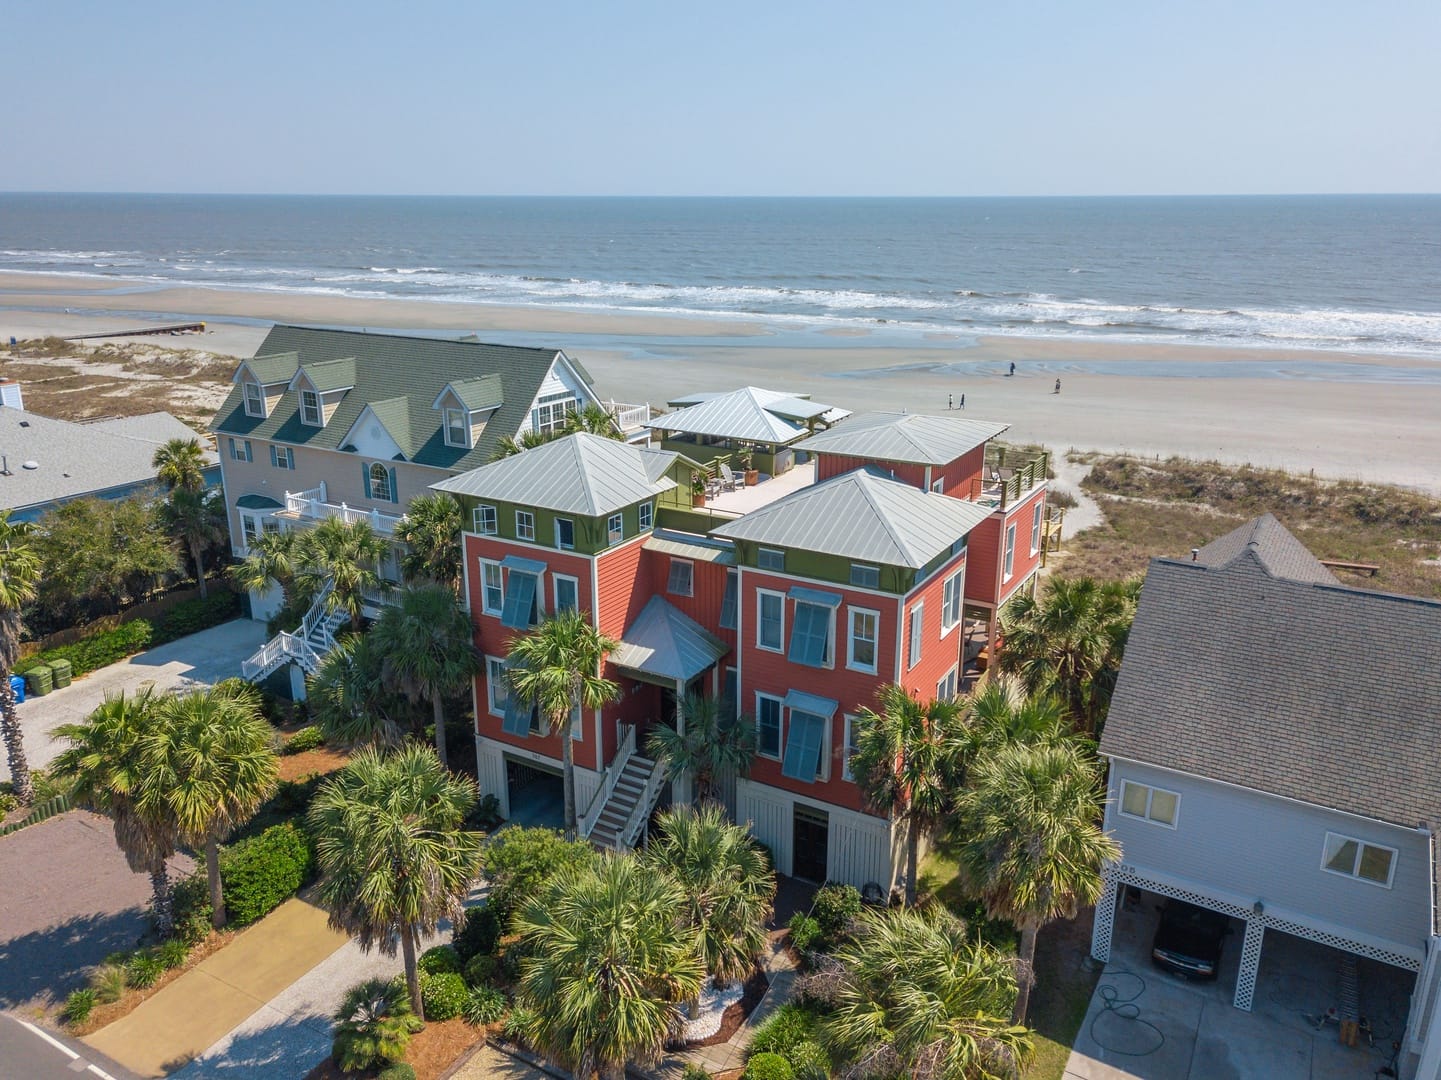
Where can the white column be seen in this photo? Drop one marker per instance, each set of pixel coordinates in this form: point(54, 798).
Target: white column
point(680, 787)
point(1250, 962)
point(1105, 920)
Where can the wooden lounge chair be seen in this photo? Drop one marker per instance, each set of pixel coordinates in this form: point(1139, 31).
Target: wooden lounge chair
point(728, 481)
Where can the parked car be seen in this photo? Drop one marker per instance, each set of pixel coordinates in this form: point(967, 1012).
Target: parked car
point(1188, 940)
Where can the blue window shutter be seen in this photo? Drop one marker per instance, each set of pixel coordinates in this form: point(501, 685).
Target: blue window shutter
point(273, 457)
point(517, 716)
point(728, 601)
point(394, 495)
point(803, 747)
point(519, 599)
point(364, 480)
point(809, 634)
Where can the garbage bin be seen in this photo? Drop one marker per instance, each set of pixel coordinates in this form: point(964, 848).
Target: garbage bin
point(17, 687)
point(40, 680)
point(60, 670)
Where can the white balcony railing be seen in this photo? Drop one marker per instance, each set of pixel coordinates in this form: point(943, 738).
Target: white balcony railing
point(612, 774)
point(311, 505)
point(629, 417)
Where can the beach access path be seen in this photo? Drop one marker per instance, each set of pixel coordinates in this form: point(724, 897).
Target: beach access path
point(201, 659)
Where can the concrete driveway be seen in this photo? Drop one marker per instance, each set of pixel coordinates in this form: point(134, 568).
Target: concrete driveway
point(200, 659)
point(1145, 1023)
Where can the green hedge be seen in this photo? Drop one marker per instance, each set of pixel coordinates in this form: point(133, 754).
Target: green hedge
point(259, 873)
point(192, 616)
point(443, 994)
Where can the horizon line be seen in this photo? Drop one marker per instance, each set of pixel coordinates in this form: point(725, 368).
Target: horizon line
point(521, 195)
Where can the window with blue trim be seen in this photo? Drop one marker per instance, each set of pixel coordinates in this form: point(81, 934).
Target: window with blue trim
point(282, 457)
point(768, 726)
point(492, 587)
point(520, 611)
point(771, 559)
point(865, 577)
point(811, 635)
point(729, 602)
point(803, 746)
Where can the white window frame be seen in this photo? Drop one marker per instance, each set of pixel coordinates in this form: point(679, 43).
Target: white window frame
point(372, 491)
point(847, 750)
point(670, 580)
point(780, 727)
point(647, 515)
point(1361, 846)
point(254, 403)
point(1150, 790)
point(952, 599)
point(452, 425)
point(240, 450)
point(555, 580)
point(615, 529)
point(479, 516)
point(307, 399)
point(1036, 527)
point(875, 639)
point(866, 570)
point(282, 457)
point(250, 528)
point(1008, 569)
point(948, 685)
point(763, 553)
point(571, 522)
point(780, 645)
point(525, 525)
point(545, 419)
point(485, 565)
point(916, 624)
point(491, 663)
point(938, 485)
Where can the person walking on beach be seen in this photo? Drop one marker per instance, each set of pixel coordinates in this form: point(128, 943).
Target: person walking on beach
point(1058, 386)
point(949, 404)
point(963, 401)
point(1013, 367)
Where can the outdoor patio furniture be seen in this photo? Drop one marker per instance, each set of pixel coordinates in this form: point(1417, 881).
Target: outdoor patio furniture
point(728, 479)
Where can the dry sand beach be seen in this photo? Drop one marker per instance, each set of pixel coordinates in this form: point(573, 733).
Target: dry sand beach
point(1342, 415)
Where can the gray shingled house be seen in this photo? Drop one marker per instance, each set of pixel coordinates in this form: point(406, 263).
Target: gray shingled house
point(1275, 755)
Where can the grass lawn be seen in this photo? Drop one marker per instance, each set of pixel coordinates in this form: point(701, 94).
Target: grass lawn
point(1063, 982)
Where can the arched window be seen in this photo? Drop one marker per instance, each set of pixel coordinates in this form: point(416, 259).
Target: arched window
point(380, 483)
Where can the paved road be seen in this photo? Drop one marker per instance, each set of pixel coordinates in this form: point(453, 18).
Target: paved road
point(27, 1051)
point(204, 658)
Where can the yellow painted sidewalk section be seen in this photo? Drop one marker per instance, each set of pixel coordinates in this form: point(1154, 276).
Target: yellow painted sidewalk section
point(188, 1016)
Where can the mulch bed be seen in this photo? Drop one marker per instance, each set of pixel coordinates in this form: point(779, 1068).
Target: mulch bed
point(310, 762)
point(431, 1053)
point(735, 1015)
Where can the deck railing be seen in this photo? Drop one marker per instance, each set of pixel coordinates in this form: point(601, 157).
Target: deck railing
point(311, 505)
point(1001, 485)
point(640, 814)
point(629, 417)
point(612, 775)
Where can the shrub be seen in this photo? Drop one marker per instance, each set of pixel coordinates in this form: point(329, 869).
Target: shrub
point(484, 1005)
point(78, 1006)
point(477, 933)
point(481, 970)
point(768, 1067)
point(834, 907)
point(8, 803)
point(440, 960)
point(241, 690)
point(109, 982)
point(784, 1030)
point(517, 1022)
point(695, 1072)
point(307, 738)
point(143, 970)
point(172, 954)
point(485, 814)
point(99, 650)
point(190, 901)
point(805, 932)
point(259, 873)
point(519, 862)
point(293, 796)
point(399, 1071)
point(192, 616)
point(809, 1062)
point(372, 1026)
point(443, 995)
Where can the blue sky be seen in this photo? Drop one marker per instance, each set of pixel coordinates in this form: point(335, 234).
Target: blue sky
point(738, 98)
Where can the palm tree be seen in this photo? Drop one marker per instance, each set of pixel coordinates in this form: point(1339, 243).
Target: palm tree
point(197, 519)
point(347, 553)
point(556, 668)
point(104, 760)
point(428, 646)
point(1069, 643)
point(19, 578)
point(1000, 712)
point(918, 998)
point(610, 966)
point(431, 532)
point(1030, 839)
point(529, 440)
point(594, 420)
point(348, 698)
point(713, 743)
point(373, 1025)
point(208, 763)
point(393, 858)
point(908, 761)
point(728, 885)
point(273, 558)
point(180, 465)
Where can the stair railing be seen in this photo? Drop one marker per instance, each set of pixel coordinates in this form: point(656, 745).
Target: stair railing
point(630, 832)
point(612, 777)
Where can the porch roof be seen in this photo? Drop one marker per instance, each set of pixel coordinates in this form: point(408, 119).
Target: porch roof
point(666, 644)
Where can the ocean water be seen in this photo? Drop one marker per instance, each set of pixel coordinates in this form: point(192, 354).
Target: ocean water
point(1330, 272)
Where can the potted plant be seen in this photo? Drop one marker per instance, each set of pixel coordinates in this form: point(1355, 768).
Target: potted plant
point(697, 489)
point(746, 457)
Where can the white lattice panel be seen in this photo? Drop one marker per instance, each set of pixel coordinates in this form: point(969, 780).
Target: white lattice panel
point(1250, 962)
point(1130, 876)
point(1105, 923)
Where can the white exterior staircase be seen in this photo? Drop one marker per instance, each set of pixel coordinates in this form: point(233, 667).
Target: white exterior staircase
point(618, 814)
point(304, 647)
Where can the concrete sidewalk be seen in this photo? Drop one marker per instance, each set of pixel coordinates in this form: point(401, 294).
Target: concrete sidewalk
point(201, 659)
point(191, 1014)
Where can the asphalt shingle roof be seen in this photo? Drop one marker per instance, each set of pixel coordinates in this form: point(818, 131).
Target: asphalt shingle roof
point(390, 367)
point(749, 414)
point(1305, 689)
point(862, 514)
point(583, 474)
point(331, 374)
point(914, 438)
point(1273, 545)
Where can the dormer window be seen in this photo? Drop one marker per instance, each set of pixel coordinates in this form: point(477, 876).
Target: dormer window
point(457, 427)
point(254, 399)
point(310, 413)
